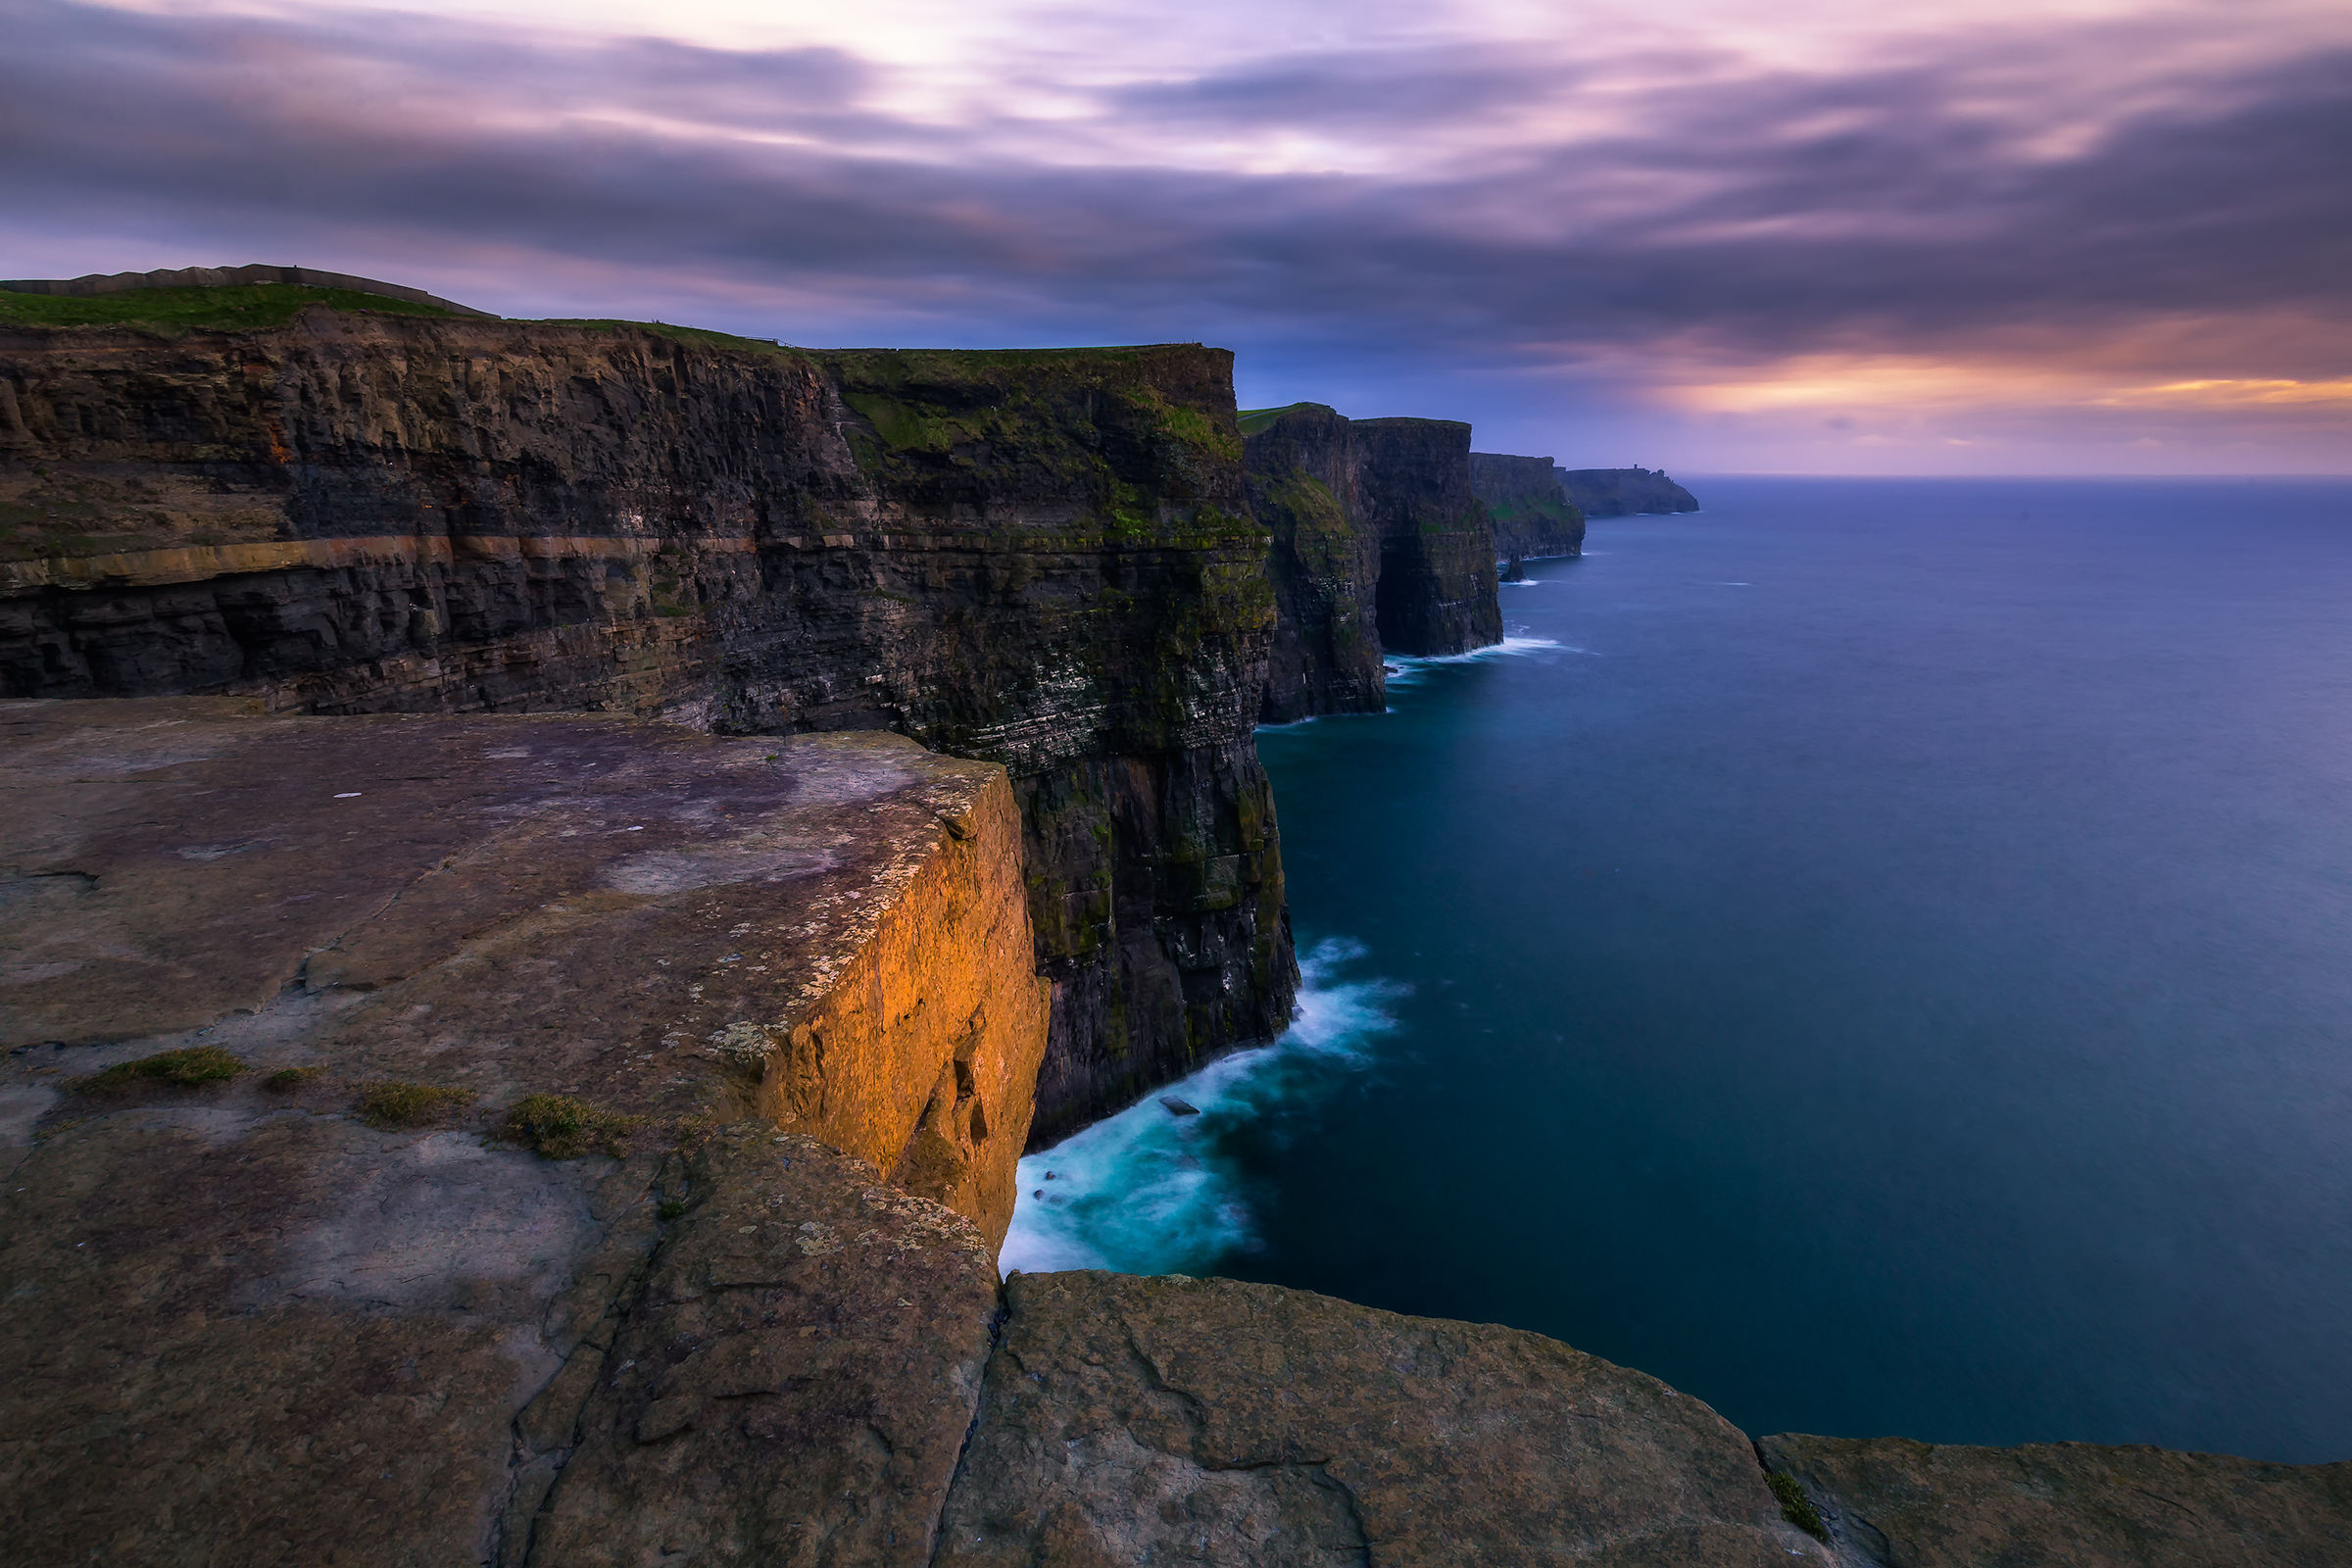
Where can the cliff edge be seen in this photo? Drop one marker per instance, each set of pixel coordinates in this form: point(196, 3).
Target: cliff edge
point(1041, 559)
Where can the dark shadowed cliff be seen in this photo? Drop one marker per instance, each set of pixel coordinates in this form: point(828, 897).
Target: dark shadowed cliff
point(1042, 558)
point(1325, 565)
point(1624, 492)
point(1532, 513)
point(1377, 545)
point(1437, 548)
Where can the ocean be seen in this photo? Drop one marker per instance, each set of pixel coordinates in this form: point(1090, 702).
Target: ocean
point(1874, 954)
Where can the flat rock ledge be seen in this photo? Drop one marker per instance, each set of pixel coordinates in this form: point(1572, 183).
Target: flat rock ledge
point(289, 1279)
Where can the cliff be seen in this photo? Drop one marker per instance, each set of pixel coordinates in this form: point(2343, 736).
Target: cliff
point(1532, 513)
point(1305, 489)
point(1377, 545)
point(1044, 560)
point(1624, 492)
point(1437, 547)
point(463, 1139)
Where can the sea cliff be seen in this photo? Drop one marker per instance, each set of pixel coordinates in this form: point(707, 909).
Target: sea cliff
point(1378, 545)
point(1533, 517)
point(1624, 492)
point(1044, 560)
point(447, 1126)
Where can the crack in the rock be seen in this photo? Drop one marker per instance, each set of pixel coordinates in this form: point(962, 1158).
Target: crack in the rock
point(988, 1374)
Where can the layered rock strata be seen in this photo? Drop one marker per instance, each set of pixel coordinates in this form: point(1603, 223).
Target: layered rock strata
point(380, 1089)
point(1624, 492)
point(1038, 558)
point(1304, 487)
point(1533, 518)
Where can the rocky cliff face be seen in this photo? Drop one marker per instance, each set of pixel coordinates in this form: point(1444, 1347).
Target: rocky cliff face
point(1532, 513)
point(1437, 547)
point(1624, 492)
point(1305, 488)
point(1377, 544)
point(1040, 559)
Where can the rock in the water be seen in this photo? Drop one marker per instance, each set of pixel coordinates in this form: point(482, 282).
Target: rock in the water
point(1179, 1108)
point(1208, 1421)
point(1903, 1504)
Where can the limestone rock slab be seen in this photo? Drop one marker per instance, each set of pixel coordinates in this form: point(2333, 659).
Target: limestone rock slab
point(246, 1323)
point(797, 1381)
point(1130, 1421)
point(1902, 1505)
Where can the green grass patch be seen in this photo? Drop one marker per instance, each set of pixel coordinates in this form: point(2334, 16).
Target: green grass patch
point(392, 1105)
point(186, 1068)
point(1796, 1506)
point(287, 1080)
point(230, 308)
point(1253, 420)
point(560, 1127)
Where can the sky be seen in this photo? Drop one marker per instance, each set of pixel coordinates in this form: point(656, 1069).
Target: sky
point(1910, 237)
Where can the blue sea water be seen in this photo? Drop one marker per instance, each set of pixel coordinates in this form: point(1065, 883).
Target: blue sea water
point(1877, 954)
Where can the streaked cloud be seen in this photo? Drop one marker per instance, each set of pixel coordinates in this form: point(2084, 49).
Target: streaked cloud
point(1835, 236)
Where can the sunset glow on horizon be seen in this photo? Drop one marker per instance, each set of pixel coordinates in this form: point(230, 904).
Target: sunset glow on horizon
point(2103, 237)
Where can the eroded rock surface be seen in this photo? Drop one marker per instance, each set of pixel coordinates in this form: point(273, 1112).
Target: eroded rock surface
point(795, 1383)
point(310, 1306)
point(1207, 1421)
point(1894, 1503)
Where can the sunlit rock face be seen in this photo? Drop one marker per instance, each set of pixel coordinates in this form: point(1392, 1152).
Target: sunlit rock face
point(1533, 516)
point(1437, 547)
point(1040, 559)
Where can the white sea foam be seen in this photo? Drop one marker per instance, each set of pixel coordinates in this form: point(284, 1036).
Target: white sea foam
point(1148, 1190)
point(1404, 670)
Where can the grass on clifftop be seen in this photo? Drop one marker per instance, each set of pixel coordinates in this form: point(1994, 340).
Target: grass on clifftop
point(185, 1070)
point(1256, 419)
point(560, 1127)
point(230, 308)
point(391, 1104)
point(1796, 1506)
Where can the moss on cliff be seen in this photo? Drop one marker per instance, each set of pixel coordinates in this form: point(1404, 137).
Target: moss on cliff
point(1127, 427)
point(239, 308)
